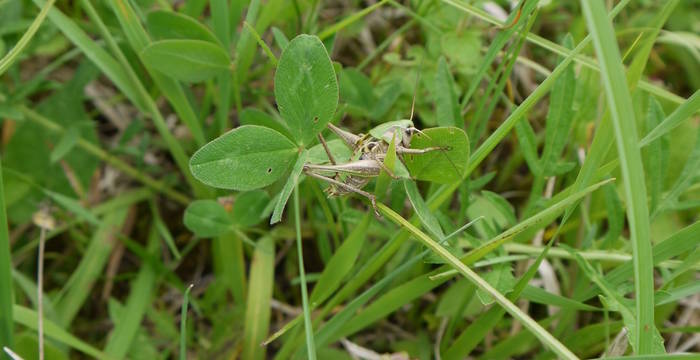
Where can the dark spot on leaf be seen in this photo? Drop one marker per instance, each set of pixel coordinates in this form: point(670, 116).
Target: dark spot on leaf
point(411, 156)
point(315, 119)
point(269, 170)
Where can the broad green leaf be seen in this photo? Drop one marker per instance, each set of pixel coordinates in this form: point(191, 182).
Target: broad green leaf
point(340, 263)
point(292, 182)
point(381, 131)
point(249, 207)
point(257, 314)
point(247, 158)
point(463, 49)
point(340, 152)
point(186, 60)
point(171, 25)
point(306, 89)
point(447, 165)
point(252, 116)
point(207, 218)
point(528, 146)
point(500, 277)
point(655, 155)
point(447, 107)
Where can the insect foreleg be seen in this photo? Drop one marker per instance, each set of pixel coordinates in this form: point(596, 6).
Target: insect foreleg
point(325, 147)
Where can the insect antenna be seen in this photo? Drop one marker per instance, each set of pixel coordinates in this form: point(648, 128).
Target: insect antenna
point(415, 89)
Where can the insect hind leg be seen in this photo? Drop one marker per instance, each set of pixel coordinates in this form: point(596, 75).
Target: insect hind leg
point(340, 184)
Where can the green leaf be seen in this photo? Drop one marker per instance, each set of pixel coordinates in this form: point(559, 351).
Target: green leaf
point(501, 278)
point(30, 319)
point(441, 166)
point(207, 218)
point(186, 60)
point(447, 109)
point(624, 123)
point(249, 208)
point(73, 206)
point(429, 221)
point(257, 314)
point(292, 182)
point(306, 88)
point(340, 263)
point(252, 116)
point(687, 109)
point(247, 158)
point(65, 144)
point(171, 25)
point(339, 150)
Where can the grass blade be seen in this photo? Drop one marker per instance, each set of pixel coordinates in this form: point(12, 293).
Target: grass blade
point(622, 116)
point(545, 337)
point(78, 287)
point(687, 109)
point(308, 326)
point(183, 323)
point(140, 297)
point(6, 297)
point(257, 315)
point(29, 318)
point(13, 54)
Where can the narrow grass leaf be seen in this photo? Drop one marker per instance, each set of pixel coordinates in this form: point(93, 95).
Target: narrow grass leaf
point(163, 24)
point(78, 287)
point(545, 337)
point(73, 206)
point(617, 303)
point(257, 315)
point(541, 296)
point(340, 264)
point(528, 145)
point(559, 116)
point(164, 231)
point(292, 182)
point(140, 296)
point(622, 115)
point(65, 144)
point(684, 180)
point(684, 111)
point(186, 60)
point(29, 318)
point(27, 36)
point(447, 109)
point(6, 285)
point(430, 222)
point(306, 88)
point(308, 325)
point(655, 155)
point(183, 323)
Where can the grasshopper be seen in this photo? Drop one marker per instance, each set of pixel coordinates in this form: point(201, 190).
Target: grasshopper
point(369, 152)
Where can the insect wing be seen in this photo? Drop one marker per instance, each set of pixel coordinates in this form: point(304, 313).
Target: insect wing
point(445, 166)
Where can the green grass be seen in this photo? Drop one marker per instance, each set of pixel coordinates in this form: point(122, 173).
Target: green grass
point(176, 144)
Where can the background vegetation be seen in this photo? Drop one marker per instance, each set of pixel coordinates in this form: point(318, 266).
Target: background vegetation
point(582, 187)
